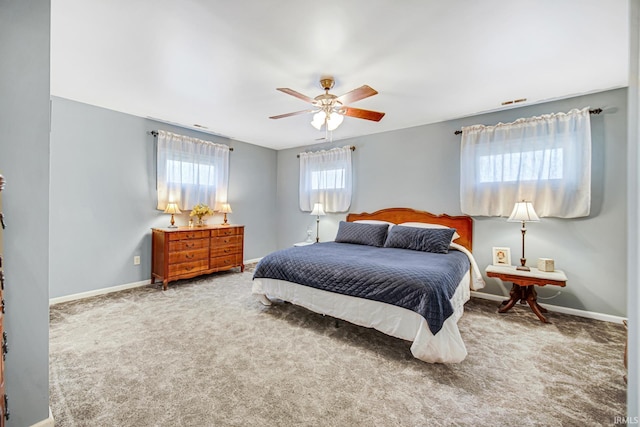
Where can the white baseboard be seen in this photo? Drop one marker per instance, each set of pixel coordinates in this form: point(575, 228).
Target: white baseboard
point(81, 295)
point(558, 309)
point(47, 422)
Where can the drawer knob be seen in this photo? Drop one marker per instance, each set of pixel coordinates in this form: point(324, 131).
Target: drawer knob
point(188, 256)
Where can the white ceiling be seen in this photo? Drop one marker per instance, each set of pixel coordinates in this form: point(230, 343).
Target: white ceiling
point(217, 63)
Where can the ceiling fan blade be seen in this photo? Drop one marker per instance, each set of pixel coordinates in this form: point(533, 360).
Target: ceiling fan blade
point(362, 114)
point(357, 94)
point(292, 114)
point(296, 94)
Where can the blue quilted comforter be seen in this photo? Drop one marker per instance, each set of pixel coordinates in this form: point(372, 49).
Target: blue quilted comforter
point(423, 282)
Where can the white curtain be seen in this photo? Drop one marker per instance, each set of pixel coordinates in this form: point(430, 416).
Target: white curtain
point(325, 177)
point(191, 171)
point(545, 160)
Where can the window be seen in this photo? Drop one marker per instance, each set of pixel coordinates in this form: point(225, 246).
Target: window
point(521, 166)
point(545, 160)
point(191, 171)
point(183, 172)
point(325, 177)
point(331, 179)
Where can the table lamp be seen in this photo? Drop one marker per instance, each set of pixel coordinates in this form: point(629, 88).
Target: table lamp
point(172, 208)
point(523, 212)
point(317, 211)
point(225, 209)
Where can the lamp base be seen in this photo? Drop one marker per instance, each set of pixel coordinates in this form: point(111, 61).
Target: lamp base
point(523, 260)
point(173, 222)
point(225, 223)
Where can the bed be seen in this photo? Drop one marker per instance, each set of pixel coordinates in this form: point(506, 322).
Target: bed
point(404, 272)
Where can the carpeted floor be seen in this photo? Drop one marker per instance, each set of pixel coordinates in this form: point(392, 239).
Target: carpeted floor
point(206, 353)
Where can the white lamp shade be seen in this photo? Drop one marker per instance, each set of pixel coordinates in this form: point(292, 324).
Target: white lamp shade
point(523, 212)
point(317, 210)
point(334, 121)
point(172, 208)
point(318, 120)
point(226, 208)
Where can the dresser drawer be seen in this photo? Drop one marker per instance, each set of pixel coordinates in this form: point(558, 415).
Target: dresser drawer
point(230, 249)
point(227, 240)
point(185, 252)
point(188, 267)
point(182, 235)
point(188, 256)
point(186, 245)
point(230, 231)
point(226, 261)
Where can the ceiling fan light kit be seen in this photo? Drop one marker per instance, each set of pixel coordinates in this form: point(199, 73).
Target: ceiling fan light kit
point(331, 109)
point(332, 120)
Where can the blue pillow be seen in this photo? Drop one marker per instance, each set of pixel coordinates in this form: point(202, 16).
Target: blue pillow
point(362, 234)
point(434, 240)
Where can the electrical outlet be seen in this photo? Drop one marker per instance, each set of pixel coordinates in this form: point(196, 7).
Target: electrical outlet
point(136, 260)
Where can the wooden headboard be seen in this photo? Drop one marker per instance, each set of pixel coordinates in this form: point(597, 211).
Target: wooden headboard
point(463, 223)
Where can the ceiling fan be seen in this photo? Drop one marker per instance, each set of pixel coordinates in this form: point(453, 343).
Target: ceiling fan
point(330, 109)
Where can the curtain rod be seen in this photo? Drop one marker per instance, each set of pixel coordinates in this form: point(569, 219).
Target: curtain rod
point(353, 148)
point(155, 134)
point(596, 111)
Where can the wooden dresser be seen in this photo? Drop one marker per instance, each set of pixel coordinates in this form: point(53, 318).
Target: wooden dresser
point(185, 252)
point(4, 410)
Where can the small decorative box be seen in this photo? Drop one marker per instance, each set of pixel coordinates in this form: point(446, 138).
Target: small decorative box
point(546, 264)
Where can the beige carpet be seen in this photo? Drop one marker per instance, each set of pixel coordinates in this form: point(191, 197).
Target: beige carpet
point(206, 353)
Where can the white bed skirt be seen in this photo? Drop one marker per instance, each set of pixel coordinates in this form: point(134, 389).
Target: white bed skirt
point(444, 347)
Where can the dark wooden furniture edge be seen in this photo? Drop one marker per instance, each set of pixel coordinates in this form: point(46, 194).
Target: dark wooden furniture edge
point(523, 289)
point(525, 281)
point(462, 223)
point(165, 280)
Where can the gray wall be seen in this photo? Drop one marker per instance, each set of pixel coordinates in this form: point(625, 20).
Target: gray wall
point(24, 161)
point(103, 196)
point(633, 397)
point(419, 168)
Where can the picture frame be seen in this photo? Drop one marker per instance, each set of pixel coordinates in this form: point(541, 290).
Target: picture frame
point(501, 256)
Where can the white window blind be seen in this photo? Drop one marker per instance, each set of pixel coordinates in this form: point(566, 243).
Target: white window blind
point(325, 177)
point(191, 171)
point(544, 159)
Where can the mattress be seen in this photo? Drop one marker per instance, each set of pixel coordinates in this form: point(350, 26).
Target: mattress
point(446, 346)
point(420, 281)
